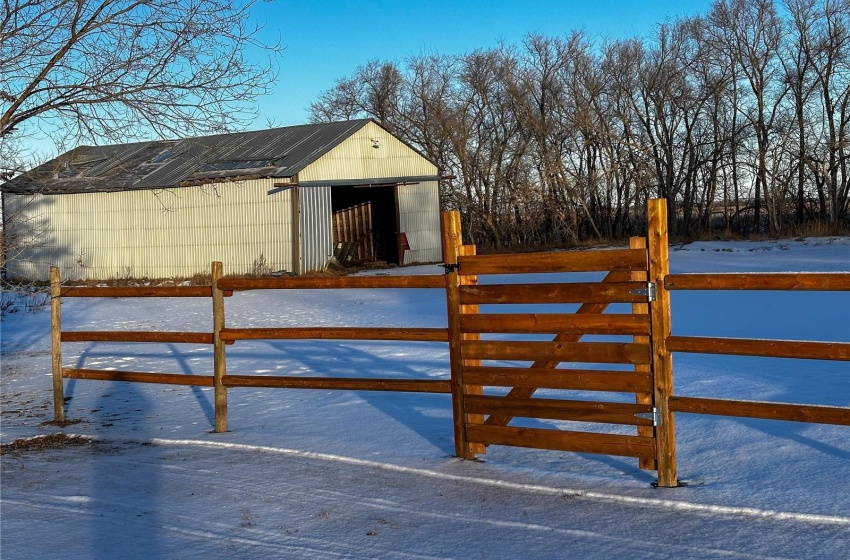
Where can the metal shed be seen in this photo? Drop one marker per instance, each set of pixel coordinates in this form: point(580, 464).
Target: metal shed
point(270, 201)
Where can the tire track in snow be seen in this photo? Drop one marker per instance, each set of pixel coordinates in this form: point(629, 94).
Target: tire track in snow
point(225, 533)
point(669, 504)
point(540, 489)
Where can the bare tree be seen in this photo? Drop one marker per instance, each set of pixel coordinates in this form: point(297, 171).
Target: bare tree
point(553, 140)
point(823, 41)
point(118, 69)
point(375, 90)
point(751, 31)
point(798, 71)
point(75, 71)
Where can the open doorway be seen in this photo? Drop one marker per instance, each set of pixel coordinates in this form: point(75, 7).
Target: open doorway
point(365, 222)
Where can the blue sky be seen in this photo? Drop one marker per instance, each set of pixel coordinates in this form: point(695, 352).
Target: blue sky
point(327, 39)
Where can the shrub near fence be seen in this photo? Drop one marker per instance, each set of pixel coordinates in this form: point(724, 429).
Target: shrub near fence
point(660, 339)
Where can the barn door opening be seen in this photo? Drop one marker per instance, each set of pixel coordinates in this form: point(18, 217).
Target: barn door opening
point(365, 223)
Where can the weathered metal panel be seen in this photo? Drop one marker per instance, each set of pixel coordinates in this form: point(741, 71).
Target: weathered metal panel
point(370, 152)
point(316, 227)
point(419, 219)
point(153, 233)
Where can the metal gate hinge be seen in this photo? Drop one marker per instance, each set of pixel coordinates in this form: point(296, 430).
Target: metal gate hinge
point(655, 416)
point(650, 291)
point(454, 267)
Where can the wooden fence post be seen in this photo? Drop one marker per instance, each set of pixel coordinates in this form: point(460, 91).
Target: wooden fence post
point(662, 361)
point(451, 232)
point(219, 353)
point(56, 345)
point(642, 309)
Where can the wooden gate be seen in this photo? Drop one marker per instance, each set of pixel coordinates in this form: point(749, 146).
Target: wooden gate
point(526, 361)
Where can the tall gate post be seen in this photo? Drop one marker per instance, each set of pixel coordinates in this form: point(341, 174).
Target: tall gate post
point(56, 345)
point(219, 353)
point(662, 361)
point(452, 241)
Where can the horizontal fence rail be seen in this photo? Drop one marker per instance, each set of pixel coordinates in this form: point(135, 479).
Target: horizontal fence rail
point(336, 333)
point(138, 336)
point(528, 263)
point(800, 349)
point(139, 377)
point(333, 282)
point(564, 440)
point(560, 409)
point(802, 281)
point(583, 352)
point(569, 379)
point(346, 384)
point(136, 292)
point(608, 292)
point(552, 323)
point(767, 410)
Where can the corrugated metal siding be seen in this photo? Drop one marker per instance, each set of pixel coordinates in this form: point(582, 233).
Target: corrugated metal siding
point(355, 159)
point(316, 228)
point(419, 219)
point(155, 234)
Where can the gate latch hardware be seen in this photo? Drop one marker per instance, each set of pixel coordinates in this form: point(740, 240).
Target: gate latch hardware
point(451, 267)
point(654, 416)
point(650, 292)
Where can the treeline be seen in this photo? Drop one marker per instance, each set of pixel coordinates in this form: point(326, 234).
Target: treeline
point(739, 118)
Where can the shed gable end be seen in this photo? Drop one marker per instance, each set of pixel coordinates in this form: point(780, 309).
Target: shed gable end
point(369, 153)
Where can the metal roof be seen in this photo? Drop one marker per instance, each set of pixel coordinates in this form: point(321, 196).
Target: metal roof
point(276, 153)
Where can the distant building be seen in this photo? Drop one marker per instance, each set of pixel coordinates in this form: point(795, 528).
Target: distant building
point(279, 200)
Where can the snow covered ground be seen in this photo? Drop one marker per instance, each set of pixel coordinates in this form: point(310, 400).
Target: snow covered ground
point(324, 474)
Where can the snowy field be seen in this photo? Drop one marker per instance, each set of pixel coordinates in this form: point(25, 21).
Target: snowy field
point(324, 474)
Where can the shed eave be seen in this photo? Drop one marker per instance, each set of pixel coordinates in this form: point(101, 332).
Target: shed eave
point(377, 181)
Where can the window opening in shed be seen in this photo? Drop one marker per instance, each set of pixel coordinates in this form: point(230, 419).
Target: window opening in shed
point(365, 223)
point(163, 156)
point(87, 160)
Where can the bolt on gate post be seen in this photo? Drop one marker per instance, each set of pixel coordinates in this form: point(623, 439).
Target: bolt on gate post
point(662, 361)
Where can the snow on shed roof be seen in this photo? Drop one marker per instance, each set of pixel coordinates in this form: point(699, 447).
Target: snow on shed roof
point(276, 152)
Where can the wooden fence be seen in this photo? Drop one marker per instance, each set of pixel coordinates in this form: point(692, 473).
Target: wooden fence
point(758, 347)
point(638, 276)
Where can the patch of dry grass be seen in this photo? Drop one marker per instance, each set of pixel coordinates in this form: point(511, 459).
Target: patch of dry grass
point(43, 443)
